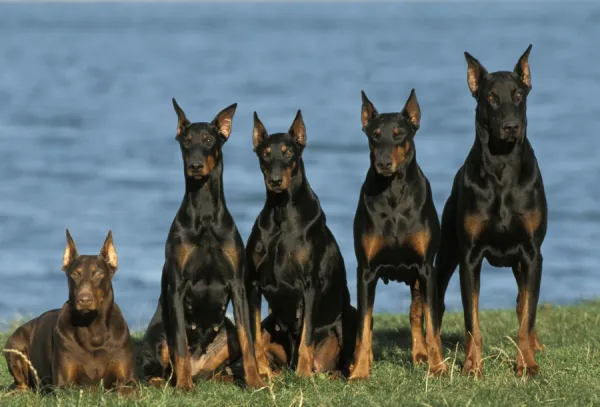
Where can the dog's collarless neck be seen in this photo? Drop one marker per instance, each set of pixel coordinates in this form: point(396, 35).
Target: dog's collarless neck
point(203, 195)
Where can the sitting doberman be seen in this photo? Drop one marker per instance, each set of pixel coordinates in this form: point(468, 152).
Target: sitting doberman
point(396, 234)
point(189, 335)
point(87, 341)
point(497, 209)
point(295, 262)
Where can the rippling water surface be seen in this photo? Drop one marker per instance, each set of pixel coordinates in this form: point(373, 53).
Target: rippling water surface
point(87, 127)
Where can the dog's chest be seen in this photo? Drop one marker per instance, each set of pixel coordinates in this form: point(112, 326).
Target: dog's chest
point(392, 220)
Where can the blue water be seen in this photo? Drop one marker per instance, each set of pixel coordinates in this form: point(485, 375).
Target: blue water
point(87, 127)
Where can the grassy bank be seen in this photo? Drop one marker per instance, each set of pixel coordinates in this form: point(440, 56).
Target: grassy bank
point(570, 373)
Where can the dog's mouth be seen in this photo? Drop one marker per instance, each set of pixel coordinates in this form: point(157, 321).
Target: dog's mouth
point(502, 146)
point(199, 174)
point(276, 190)
point(85, 310)
point(385, 173)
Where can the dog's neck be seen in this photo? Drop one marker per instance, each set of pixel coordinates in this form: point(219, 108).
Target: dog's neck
point(298, 192)
point(396, 183)
point(500, 156)
point(205, 196)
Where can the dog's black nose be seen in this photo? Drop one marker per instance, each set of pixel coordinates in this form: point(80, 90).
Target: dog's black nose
point(511, 127)
point(275, 181)
point(384, 165)
point(196, 166)
point(84, 300)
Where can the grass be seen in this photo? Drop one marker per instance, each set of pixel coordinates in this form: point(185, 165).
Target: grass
point(570, 373)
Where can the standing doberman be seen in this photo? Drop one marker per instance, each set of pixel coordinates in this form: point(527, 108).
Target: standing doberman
point(295, 262)
point(396, 233)
point(497, 209)
point(86, 341)
point(204, 268)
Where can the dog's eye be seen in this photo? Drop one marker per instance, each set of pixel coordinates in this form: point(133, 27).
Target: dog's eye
point(376, 133)
point(289, 153)
point(518, 95)
point(265, 154)
point(187, 141)
point(208, 140)
point(491, 98)
point(75, 275)
point(99, 275)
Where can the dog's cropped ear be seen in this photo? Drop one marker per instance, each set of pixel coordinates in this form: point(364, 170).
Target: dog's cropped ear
point(70, 252)
point(522, 68)
point(224, 119)
point(109, 253)
point(475, 73)
point(182, 121)
point(412, 110)
point(298, 130)
point(367, 111)
point(259, 133)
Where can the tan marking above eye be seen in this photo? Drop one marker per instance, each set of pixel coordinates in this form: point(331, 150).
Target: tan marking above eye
point(283, 149)
point(377, 132)
point(396, 131)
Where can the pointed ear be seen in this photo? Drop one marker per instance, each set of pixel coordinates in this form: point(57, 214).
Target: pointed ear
point(259, 133)
point(412, 110)
point(298, 130)
point(182, 121)
point(475, 73)
point(109, 253)
point(224, 119)
point(522, 68)
point(368, 111)
point(70, 252)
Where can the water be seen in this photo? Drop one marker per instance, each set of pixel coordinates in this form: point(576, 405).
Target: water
point(87, 127)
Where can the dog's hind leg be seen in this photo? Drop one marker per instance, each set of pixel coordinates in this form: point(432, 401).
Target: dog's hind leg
point(17, 365)
point(448, 255)
point(220, 353)
point(155, 352)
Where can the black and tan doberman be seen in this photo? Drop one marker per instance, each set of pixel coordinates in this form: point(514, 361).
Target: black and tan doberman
point(295, 262)
point(396, 234)
point(497, 209)
point(204, 268)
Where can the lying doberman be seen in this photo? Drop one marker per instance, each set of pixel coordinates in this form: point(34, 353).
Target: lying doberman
point(396, 234)
point(204, 268)
point(83, 343)
point(295, 262)
point(497, 209)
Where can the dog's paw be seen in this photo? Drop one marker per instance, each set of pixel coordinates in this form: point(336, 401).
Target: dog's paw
point(473, 367)
point(156, 382)
point(530, 371)
point(419, 357)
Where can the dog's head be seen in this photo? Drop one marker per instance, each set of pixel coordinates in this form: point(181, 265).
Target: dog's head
point(90, 277)
point(501, 99)
point(201, 143)
point(391, 134)
point(279, 154)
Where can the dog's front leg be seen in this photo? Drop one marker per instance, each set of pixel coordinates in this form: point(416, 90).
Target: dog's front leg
point(363, 353)
point(306, 349)
point(528, 280)
point(175, 328)
point(431, 308)
point(255, 295)
point(241, 314)
point(470, 270)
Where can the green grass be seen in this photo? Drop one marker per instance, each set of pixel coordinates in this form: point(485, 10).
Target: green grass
point(570, 374)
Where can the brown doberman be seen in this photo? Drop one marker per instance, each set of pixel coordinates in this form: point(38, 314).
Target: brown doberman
point(83, 343)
